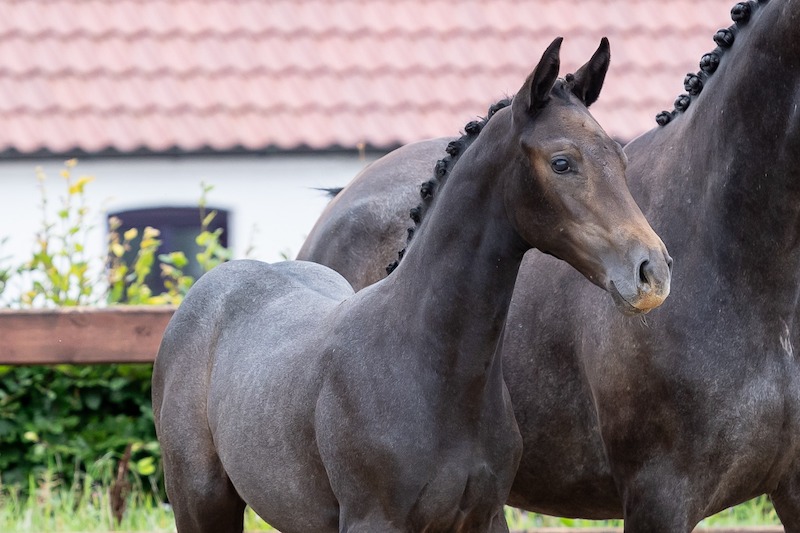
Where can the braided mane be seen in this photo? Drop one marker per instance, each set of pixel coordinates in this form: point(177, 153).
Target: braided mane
point(693, 83)
point(442, 170)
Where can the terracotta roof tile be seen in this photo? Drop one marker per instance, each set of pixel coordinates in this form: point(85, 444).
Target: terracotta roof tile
point(220, 75)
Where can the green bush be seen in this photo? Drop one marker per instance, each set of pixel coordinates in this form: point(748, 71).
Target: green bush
point(65, 420)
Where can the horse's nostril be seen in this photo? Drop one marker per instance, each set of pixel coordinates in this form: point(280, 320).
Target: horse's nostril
point(643, 277)
point(669, 264)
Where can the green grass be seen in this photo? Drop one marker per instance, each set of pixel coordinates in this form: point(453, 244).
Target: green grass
point(756, 512)
point(50, 506)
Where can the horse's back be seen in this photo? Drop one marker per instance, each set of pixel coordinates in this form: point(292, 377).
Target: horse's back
point(363, 228)
point(241, 292)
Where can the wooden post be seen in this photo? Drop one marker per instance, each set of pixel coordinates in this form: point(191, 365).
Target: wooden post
point(119, 334)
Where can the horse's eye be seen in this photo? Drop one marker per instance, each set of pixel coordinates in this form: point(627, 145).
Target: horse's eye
point(560, 165)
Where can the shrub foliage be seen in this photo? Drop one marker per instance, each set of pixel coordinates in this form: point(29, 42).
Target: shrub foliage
point(67, 419)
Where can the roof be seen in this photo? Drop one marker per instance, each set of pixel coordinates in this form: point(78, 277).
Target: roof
point(254, 75)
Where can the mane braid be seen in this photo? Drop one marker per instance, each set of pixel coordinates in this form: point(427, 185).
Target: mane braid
point(694, 83)
point(442, 170)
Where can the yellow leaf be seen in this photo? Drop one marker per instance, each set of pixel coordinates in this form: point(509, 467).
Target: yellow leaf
point(151, 233)
point(117, 249)
point(130, 234)
point(78, 186)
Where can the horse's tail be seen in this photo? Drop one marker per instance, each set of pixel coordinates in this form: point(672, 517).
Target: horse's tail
point(332, 192)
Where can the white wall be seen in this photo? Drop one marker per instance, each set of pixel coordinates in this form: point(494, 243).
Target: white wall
point(271, 199)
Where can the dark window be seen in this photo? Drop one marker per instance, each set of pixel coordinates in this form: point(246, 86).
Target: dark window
point(179, 226)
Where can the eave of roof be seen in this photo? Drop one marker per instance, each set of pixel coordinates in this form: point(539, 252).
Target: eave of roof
point(214, 76)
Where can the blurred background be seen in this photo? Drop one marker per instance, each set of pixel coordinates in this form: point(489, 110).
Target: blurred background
point(267, 100)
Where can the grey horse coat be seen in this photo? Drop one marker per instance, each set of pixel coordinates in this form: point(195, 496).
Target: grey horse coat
point(386, 410)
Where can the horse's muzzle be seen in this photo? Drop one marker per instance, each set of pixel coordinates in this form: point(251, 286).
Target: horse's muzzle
point(648, 290)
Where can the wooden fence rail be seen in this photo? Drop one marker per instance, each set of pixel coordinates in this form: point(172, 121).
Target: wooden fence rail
point(84, 335)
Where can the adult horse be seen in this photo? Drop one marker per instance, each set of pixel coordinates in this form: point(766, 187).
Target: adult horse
point(670, 420)
point(386, 410)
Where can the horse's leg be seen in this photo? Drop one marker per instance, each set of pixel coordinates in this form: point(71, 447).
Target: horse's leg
point(206, 502)
point(370, 526)
point(201, 495)
point(499, 524)
point(659, 505)
point(786, 499)
point(373, 524)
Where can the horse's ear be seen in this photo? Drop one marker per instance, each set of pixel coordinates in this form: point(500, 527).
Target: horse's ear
point(535, 91)
point(587, 82)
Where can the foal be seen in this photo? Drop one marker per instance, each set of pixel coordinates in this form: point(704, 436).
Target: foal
point(278, 387)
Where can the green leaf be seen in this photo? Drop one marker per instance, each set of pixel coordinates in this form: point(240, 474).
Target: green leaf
point(203, 238)
point(208, 219)
point(6, 429)
point(92, 401)
point(176, 259)
point(146, 466)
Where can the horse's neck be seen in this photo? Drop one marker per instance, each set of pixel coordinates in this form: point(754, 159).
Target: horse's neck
point(454, 285)
point(730, 165)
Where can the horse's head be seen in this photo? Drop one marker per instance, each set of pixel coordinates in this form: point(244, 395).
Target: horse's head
point(583, 211)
